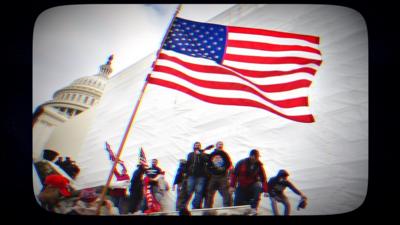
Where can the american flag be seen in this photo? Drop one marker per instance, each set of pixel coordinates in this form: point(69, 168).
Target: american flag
point(142, 158)
point(240, 66)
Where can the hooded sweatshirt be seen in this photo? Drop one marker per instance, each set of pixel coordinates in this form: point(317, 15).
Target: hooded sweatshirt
point(277, 186)
point(247, 174)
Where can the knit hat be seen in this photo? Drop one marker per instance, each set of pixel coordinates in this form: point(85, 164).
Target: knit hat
point(60, 182)
point(88, 195)
point(283, 173)
point(254, 152)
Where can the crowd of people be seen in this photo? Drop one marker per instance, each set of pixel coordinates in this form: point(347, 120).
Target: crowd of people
point(67, 165)
point(203, 174)
point(200, 176)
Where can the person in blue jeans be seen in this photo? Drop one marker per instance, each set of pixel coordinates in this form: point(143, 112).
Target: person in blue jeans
point(250, 178)
point(219, 166)
point(196, 176)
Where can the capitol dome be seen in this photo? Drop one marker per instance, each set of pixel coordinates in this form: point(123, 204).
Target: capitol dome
point(82, 93)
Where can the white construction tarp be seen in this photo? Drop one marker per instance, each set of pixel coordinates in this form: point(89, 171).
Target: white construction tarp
point(327, 160)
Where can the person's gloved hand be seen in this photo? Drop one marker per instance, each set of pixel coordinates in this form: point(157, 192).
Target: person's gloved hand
point(302, 203)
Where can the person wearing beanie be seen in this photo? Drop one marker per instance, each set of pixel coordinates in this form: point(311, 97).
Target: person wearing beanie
point(277, 186)
point(248, 181)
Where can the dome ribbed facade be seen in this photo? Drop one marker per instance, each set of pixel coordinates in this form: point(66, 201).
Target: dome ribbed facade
point(82, 93)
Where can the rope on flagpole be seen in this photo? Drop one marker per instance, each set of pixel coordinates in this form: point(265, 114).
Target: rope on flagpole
point(102, 196)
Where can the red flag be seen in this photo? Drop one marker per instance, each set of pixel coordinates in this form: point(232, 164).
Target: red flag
point(152, 204)
point(240, 66)
point(110, 152)
point(120, 176)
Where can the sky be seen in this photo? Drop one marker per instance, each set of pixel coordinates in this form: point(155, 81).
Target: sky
point(70, 42)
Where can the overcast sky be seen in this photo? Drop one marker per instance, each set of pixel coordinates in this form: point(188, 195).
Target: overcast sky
point(72, 41)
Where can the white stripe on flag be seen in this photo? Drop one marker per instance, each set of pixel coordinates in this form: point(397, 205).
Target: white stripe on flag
point(260, 81)
point(295, 111)
point(189, 59)
point(211, 77)
point(266, 67)
point(256, 52)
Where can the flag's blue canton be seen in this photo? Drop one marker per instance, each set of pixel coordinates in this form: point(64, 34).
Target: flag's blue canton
point(197, 39)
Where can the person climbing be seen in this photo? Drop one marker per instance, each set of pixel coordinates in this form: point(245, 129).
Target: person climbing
point(276, 188)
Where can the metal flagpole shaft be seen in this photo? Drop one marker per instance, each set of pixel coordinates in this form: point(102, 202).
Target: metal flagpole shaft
point(102, 196)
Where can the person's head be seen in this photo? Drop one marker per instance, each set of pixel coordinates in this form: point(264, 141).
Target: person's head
point(197, 145)
point(254, 155)
point(283, 174)
point(49, 155)
point(59, 182)
point(182, 162)
point(88, 195)
point(154, 162)
point(219, 145)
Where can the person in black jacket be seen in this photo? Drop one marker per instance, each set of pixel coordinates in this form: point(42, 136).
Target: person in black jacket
point(276, 188)
point(136, 188)
point(196, 176)
point(218, 166)
point(180, 183)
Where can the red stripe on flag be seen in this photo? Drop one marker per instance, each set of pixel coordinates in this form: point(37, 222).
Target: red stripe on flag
point(221, 70)
point(270, 47)
point(260, 74)
point(196, 67)
point(284, 86)
point(287, 103)
point(228, 101)
point(271, 60)
point(243, 30)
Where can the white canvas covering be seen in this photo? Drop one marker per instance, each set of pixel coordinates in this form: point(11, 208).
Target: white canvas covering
point(327, 160)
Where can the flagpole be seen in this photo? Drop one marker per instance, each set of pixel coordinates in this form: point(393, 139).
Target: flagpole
point(102, 196)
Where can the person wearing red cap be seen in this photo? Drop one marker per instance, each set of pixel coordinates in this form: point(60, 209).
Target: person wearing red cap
point(55, 188)
point(249, 174)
